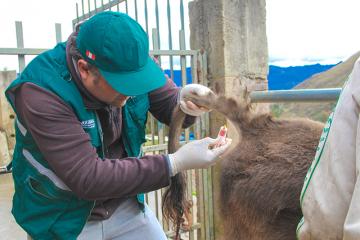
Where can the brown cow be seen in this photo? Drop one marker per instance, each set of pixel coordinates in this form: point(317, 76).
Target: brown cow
point(261, 176)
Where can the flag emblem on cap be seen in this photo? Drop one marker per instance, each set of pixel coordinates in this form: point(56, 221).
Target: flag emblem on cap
point(90, 55)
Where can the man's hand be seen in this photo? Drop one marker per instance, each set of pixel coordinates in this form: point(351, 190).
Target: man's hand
point(196, 154)
point(189, 107)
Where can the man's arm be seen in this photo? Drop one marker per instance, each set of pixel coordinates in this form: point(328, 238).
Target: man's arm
point(68, 150)
point(164, 100)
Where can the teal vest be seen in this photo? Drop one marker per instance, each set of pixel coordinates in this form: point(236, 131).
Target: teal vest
point(42, 204)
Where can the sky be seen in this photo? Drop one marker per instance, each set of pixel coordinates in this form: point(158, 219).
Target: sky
point(299, 32)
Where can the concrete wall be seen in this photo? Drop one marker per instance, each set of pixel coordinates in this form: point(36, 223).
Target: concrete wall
point(233, 33)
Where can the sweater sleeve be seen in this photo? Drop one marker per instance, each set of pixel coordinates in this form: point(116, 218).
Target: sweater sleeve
point(68, 150)
point(164, 100)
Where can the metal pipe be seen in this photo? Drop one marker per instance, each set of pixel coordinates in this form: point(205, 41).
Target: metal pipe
point(4, 170)
point(300, 95)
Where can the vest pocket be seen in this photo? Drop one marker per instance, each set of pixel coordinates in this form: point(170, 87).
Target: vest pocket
point(38, 189)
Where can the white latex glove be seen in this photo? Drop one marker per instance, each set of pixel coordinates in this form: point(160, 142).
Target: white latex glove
point(196, 154)
point(189, 107)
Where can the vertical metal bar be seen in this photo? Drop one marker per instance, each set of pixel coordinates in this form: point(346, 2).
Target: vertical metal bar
point(146, 17)
point(157, 204)
point(126, 5)
point(183, 71)
point(102, 5)
point(136, 10)
point(110, 4)
point(117, 7)
point(147, 198)
point(160, 126)
point(182, 57)
point(156, 43)
point(89, 10)
point(20, 44)
point(201, 206)
point(152, 127)
point(77, 12)
point(58, 32)
point(157, 22)
point(205, 82)
point(211, 205)
point(170, 39)
point(194, 68)
point(206, 203)
point(82, 8)
point(189, 174)
point(182, 14)
point(95, 6)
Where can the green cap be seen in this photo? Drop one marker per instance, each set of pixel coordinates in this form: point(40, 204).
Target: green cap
point(119, 47)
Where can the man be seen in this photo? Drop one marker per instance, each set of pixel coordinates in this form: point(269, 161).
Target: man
point(330, 198)
point(81, 114)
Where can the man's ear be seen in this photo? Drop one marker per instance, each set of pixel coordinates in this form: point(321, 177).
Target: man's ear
point(83, 69)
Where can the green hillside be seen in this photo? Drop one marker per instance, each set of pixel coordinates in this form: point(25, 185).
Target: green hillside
point(332, 78)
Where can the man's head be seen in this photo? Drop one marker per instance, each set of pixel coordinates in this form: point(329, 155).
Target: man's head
point(115, 58)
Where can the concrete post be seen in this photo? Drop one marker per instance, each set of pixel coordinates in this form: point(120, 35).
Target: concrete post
point(233, 33)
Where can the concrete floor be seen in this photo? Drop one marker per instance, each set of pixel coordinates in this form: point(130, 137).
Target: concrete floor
point(8, 227)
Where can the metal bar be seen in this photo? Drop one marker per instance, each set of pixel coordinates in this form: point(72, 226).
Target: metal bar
point(201, 206)
point(146, 17)
point(182, 14)
point(117, 8)
point(183, 72)
point(136, 10)
point(160, 126)
point(152, 148)
point(170, 39)
point(20, 44)
point(110, 6)
point(156, 52)
point(82, 7)
point(157, 22)
point(211, 205)
point(152, 129)
point(126, 6)
point(194, 69)
point(155, 40)
point(298, 95)
point(193, 227)
point(58, 32)
point(22, 51)
point(157, 204)
point(102, 8)
point(89, 8)
point(189, 174)
point(77, 15)
point(4, 170)
point(206, 203)
point(182, 57)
